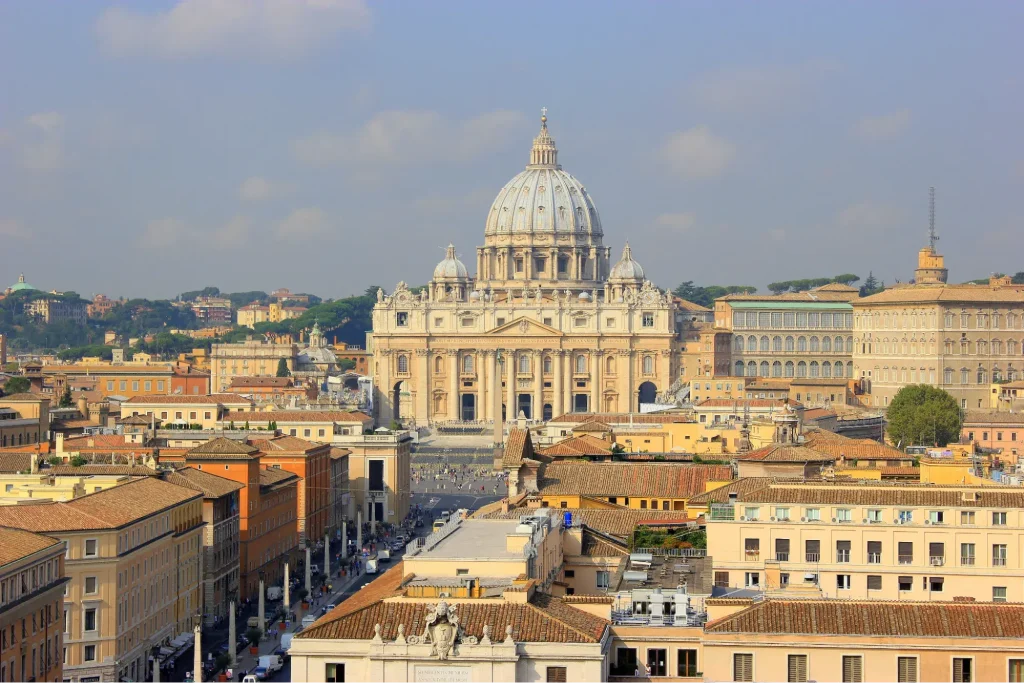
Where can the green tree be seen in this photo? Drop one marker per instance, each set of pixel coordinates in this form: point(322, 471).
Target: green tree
point(705, 296)
point(1018, 278)
point(346, 364)
point(282, 368)
point(65, 398)
point(871, 285)
point(16, 385)
point(921, 414)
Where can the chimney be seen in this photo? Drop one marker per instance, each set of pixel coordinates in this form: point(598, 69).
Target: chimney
point(733, 496)
point(60, 443)
point(34, 466)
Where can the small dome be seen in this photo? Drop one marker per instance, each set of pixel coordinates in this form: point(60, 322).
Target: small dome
point(584, 296)
point(451, 266)
point(21, 285)
point(475, 295)
point(627, 268)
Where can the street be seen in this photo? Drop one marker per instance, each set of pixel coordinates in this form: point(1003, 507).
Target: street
point(435, 491)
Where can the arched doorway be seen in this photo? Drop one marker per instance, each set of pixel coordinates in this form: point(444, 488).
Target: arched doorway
point(525, 406)
point(647, 394)
point(547, 414)
point(468, 407)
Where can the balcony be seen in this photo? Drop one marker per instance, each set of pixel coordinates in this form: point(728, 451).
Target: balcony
point(722, 512)
point(967, 561)
point(842, 556)
point(998, 561)
point(782, 557)
point(936, 560)
point(874, 558)
point(753, 555)
point(906, 559)
point(812, 557)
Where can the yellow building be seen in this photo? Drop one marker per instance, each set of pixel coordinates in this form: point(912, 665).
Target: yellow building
point(24, 419)
point(17, 489)
point(960, 338)
point(548, 325)
point(209, 411)
point(869, 540)
point(134, 570)
point(379, 474)
point(251, 358)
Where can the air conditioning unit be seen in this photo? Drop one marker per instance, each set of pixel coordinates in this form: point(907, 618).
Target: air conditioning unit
point(897, 521)
point(863, 521)
point(803, 519)
point(834, 520)
point(773, 519)
point(742, 518)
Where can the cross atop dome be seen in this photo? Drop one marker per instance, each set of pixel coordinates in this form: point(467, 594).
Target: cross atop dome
point(544, 154)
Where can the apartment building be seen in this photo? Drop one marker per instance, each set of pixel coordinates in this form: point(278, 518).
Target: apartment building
point(221, 536)
point(133, 564)
point(313, 425)
point(125, 380)
point(209, 411)
point(58, 310)
point(31, 606)
point(999, 433)
point(251, 358)
point(870, 541)
point(379, 474)
point(212, 310)
point(797, 334)
point(339, 497)
point(24, 419)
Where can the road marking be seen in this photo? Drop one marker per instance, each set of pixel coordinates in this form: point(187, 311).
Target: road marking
point(433, 502)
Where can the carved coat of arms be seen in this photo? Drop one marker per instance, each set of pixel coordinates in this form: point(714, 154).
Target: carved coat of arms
point(443, 632)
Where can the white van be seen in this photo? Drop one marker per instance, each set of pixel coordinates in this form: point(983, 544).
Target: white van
point(308, 620)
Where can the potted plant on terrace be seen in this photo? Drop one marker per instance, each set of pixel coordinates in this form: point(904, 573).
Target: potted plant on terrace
point(253, 635)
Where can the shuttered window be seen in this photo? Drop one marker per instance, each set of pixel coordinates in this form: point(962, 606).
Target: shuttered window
point(906, 669)
point(963, 670)
point(743, 667)
point(852, 669)
point(797, 669)
point(556, 674)
point(1016, 671)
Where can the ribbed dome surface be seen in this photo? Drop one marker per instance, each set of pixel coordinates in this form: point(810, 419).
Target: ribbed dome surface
point(627, 268)
point(451, 266)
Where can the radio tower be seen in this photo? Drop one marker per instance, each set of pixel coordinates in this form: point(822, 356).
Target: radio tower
point(932, 237)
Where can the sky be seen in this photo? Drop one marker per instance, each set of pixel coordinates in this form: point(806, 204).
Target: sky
point(149, 148)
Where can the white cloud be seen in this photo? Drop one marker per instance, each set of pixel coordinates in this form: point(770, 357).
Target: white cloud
point(401, 138)
point(13, 229)
point(44, 142)
point(676, 222)
point(868, 215)
point(233, 234)
point(233, 28)
point(303, 223)
point(759, 89)
point(163, 233)
point(256, 189)
point(883, 127)
point(698, 153)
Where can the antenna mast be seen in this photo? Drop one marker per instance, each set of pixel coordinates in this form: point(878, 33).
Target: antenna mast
point(932, 237)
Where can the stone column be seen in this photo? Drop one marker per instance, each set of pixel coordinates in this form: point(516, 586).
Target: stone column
point(630, 392)
point(327, 555)
point(481, 385)
point(422, 387)
point(570, 366)
point(359, 532)
point(262, 607)
point(197, 660)
point(664, 380)
point(494, 385)
point(556, 385)
point(596, 370)
point(232, 634)
point(453, 384)
point(156, 670)
point(511, 358)
point(287, 588)
point(309, 574)
point(538, 385)
point(344, 539)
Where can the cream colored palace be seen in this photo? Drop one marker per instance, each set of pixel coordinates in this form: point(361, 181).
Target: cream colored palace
point(547, 325)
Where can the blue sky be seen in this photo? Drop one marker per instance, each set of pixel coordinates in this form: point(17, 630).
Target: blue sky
point(151, 148)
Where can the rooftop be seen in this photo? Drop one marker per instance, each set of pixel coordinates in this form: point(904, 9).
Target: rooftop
point(299, 416)
point(18, 543)
point(223, 448)
point(647, 479)
point(210, 485)
point(984, 417)
point(784, 453)
point(946, 293)
point(476, 539)
point(189, 399)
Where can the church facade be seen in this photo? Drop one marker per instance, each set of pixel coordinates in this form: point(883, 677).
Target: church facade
point(547, 325)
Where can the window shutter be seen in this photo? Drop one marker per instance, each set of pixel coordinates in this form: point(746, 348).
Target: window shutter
point(743, 667)
point(852, 669)
point(907, 672)
point(797, 668)
point(556, 674)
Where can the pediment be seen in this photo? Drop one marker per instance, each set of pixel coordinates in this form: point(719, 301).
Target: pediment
point(524, 326)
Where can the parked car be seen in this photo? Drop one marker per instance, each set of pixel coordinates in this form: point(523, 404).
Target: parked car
point(268, 666)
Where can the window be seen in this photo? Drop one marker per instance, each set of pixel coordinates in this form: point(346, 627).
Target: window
point(852, 669)
point(403, 364)
point(963, 669)
point(967, 517)
point(722, 579)
point(934, 583)
point(998, 519)
point(752, 513)
point(335, 673)
point(89, 622)
point(467, 364)
point(657, 661)
point(813, 514)
point(556, 674)
point(743, 667)
point(998, 593)
point(602, 580)
point(844, 515)
point(581, 364)
point(90, 585)
point(812, 551)
point(401, 319)
point(91, 547)
point(1016, 674)
point(752, 580)
point(874, 516)
point(648, 365)
point(874, 582)
point(843, 581)
point(905, 516)
point(967, 554)
point(906, 583)
point(936, 517)
point(842, 552)
point(874, 552)
point(781, 514)
point(648, 320)
point(90, 653)
point(782, 550)
point(906, 669)
point(999, 555)
point(686, 663)
point(752, 548)
point(797, 668)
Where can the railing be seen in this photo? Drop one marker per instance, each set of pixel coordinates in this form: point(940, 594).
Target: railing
point(842, 556)
point(673, 552)
point(812, 557)
point(782, 557)
point(936, 560)
point(753, 555)
point(874, 558)
point(998, 561)
point(967, 560)
point(721, 512)
point(905, 559)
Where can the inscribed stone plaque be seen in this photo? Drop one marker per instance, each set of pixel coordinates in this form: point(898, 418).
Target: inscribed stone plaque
point(443, 674)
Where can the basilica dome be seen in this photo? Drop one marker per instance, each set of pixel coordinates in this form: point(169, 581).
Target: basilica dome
point(544, 198)
point(627, 268)
point(451, 266)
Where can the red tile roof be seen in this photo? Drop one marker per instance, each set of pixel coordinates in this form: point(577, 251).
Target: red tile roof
point(784, 453)
point(518, 447)
point(186, 399)
point(298, 416)
point(578, 446)
point(18, 543)
point(646, 480)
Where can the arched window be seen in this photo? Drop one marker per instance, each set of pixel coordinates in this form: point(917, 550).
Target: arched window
point(751, 343)
point(609, 365)
point(815, 345)
point(815, 370)
point(438, 364)
point(764, 344)
point(947, 376)
point(403, 363)
point(581, 364)
point(467, 364)
point(965, 376)
point(1011, 321)
point(751, 369)
point(738, 368)
point(982, 347)
point(837, 369)
point(837, 346)
point(826, 369)
point(997, 347)
point(982, 376)
point(777, 344)
point(801, 369)
point(947, 346)
point(826, 344)
point(790, 343)
point(1011, 375)
point(777, 369)
point(648, 365)
point(737, 343)
point(849, 368)
point(524, 364)
point(997, 375)
point(801, 343)
point(547, 365)
point(764, 368)
point(1011, 347)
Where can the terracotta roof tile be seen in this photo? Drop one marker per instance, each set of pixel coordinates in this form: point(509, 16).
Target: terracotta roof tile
point(210, 485)
point(578, 446)
point(741, 402)
point(622, 418)
point(596, 546)
point(298, 416)
point(648, 480)
point(11, 463)
point(977, 417)
point(289, 444)
point(876, 618)
point(273, 477)
point(945, 293)
point(854, 449)
point(24, 396)
point(881, 493)
point(518, 447)
point(18, 543)
point(280, 382)
point(337, 452)
point(209, 399)
point(101, 469)
point(223, 448)
point(592, 426)
point(784, 453)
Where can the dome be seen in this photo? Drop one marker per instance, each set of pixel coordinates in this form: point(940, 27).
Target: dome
point(627, 268)
point(543, 198)
point(21, 285)
point(451, 266)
